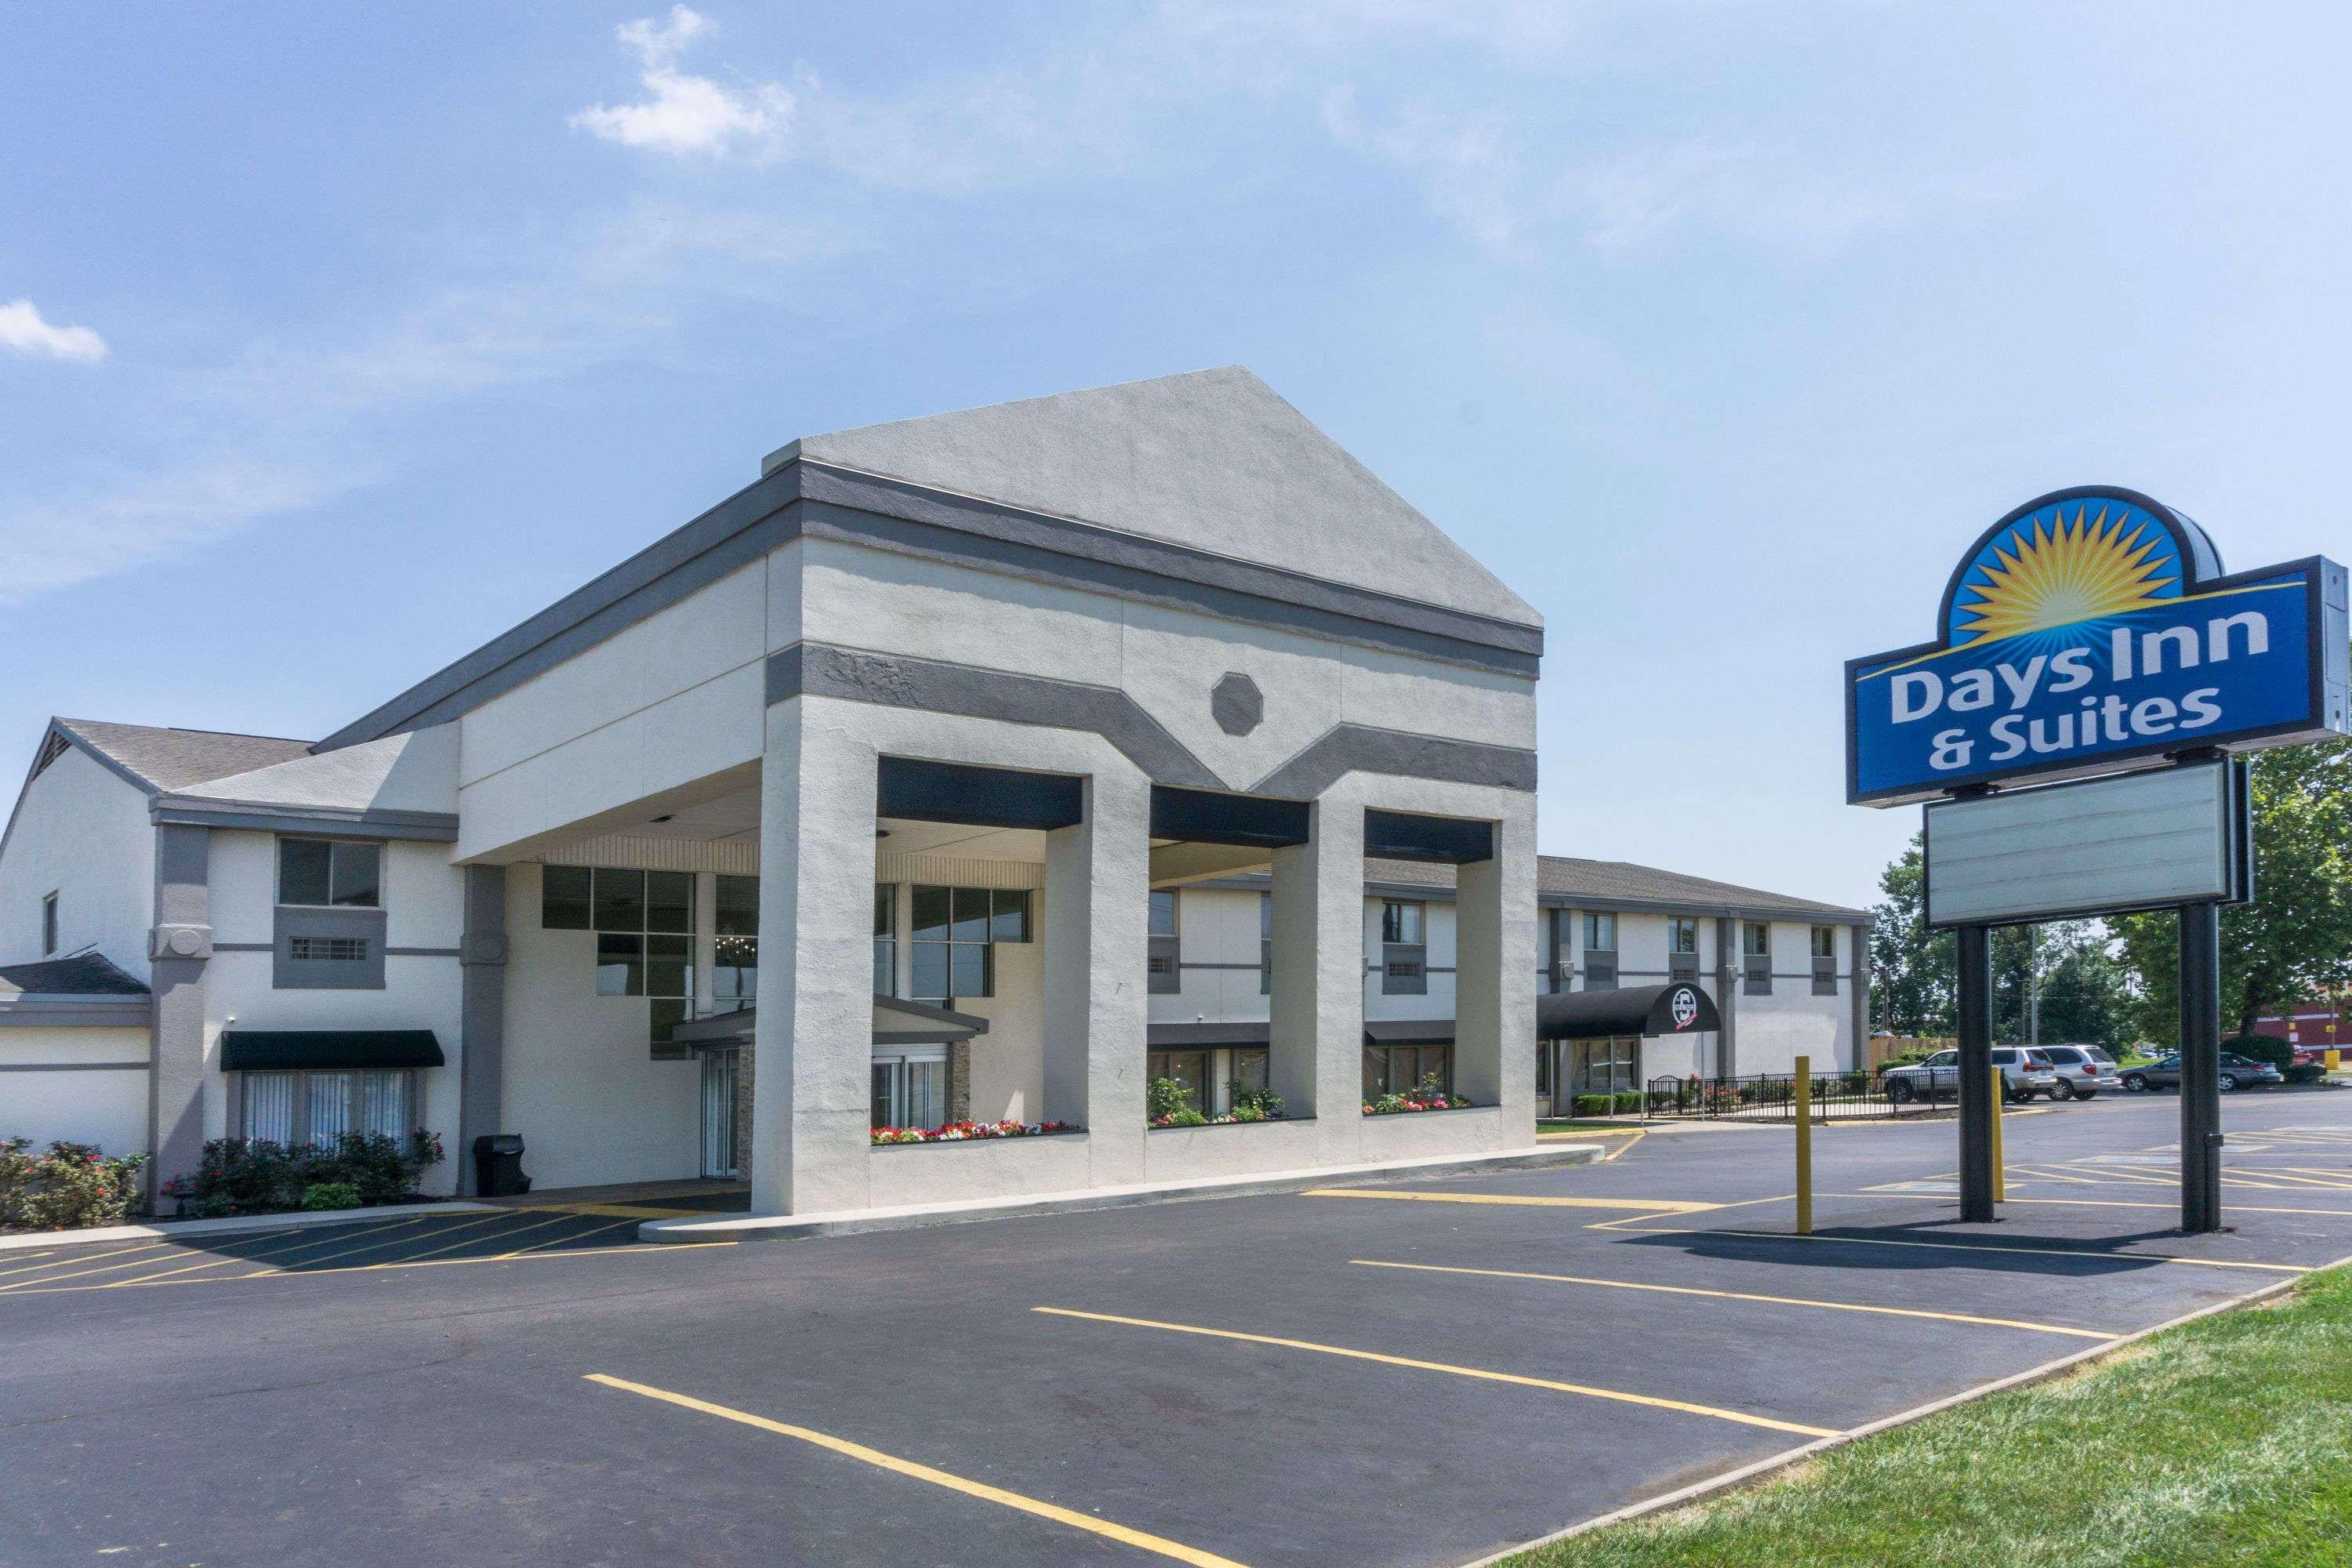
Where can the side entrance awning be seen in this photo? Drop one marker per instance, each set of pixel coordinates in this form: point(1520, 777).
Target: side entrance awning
point(268, 1050)
point(1679, 1008)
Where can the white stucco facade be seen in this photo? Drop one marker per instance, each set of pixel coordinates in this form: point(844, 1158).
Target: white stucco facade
point(666, 879)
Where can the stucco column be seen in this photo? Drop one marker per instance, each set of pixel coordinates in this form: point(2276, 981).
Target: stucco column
point(1096, 918)
point(482, 1015)
point(180, 948)
point(1495, 945)
point(813, 1041)
point(1316, 1014)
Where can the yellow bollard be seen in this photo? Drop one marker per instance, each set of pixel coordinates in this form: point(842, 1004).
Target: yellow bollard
point(1804, 1145)
point(2335, 1060)
point(2000, 1171)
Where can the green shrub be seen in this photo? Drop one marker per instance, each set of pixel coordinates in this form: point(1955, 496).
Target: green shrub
point(255, 1175)
point(1628, 1099)
point(2261, 1049)
point(1252, 1104)
point(68, 1187)
point(2307, 1072)
point(1164, 1097)
point(1592, 1104)
point(321, 1196)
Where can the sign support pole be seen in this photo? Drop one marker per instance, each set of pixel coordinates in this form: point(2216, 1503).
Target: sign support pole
point(1975, 1087)
point(2200, 1067)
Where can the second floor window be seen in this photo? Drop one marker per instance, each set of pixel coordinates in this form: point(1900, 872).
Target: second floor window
point(1402, 923)
point(48, 925)
point(1404, 958)
point(1825, 942)
point(329, 872)
point(954, 938)
point(1681, 935)
point(1756, 940)
point(1600, 932)
point(1163, 960)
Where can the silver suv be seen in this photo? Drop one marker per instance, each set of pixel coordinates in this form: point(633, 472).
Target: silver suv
point(2024, 1073)
point(2083, 1070)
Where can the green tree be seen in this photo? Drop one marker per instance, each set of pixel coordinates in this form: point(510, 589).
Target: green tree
point(2295, 939)
point(1911, 967)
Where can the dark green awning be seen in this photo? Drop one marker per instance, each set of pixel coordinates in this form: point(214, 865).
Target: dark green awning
point(267, 1050)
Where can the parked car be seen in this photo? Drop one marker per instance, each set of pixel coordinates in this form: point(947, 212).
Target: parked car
point(2024, 1073)
point(2237, 1072)
point(2083, 1070)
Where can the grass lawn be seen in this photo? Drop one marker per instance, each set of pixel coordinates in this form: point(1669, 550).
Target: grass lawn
point(2228, 1441)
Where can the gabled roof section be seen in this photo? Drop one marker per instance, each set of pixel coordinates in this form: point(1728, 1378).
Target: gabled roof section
point(402, 786)
point(160, 760)
point(1214, 460)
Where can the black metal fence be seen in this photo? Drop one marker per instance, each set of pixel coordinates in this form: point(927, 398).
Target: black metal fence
point(1772, 1097)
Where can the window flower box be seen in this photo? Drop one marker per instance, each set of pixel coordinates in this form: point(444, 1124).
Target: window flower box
point(1399, 1104)
point(967, 1131)
point(1221, 1118)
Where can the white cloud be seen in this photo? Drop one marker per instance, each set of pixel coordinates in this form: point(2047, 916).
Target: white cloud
point(688, 115)
point(22, 329)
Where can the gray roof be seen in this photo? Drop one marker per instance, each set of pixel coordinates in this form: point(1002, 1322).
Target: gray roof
point(86, 974)
point(158, 759)
point(1621, 884)
point(1213, 459)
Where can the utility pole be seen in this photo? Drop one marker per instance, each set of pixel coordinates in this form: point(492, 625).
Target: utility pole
point(2033, 985)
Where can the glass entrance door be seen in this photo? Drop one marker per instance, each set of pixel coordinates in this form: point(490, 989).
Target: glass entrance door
point(719, 1113)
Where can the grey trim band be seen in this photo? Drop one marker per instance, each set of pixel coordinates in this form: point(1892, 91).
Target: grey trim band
point(261, 817)
point(1252, 968)
point(821, 670)
point(813, 500)
point(1361, 749)
point(868, 509)
point(893, 680)
point(1612, 904)
point(73, 1067)
point(423, 952)
point(109, 1012)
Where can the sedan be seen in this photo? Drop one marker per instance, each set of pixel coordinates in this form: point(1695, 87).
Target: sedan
point(2237, 1072)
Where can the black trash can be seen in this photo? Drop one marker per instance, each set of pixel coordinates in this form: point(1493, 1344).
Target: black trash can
point(498, 1166)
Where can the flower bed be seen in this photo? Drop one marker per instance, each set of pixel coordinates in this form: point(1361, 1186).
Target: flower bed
point(965, 1131)
point(1239, 1117)
point(1396, 1104)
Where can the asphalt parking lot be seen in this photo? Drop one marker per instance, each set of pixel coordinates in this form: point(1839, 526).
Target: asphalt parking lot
point(1418, 1377)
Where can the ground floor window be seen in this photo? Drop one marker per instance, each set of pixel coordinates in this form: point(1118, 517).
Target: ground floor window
point(910, 1087)
point(304, 1107)
point(1189, 1068)
point(1544, 1049)
point(1604, 1066)
point(1396, 1069)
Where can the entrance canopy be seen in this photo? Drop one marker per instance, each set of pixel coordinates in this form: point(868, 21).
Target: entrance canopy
point(1681, 1007)
point(263, 1050)
point(896, 1022)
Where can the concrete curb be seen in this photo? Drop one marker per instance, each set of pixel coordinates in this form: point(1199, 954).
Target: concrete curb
point(191, 1228)
point(1732, 1480)
point(852, 1222)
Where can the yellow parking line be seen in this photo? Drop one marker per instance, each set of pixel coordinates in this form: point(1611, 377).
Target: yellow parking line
point(2095, 1203)
point(1619, 1151)
point(1740, 1416)
point(371, 1244)
point(78, 1273)
point(1622, 1221)
point(374, 1268)
point(300, 1242)
point(1646, 1206)
point(554, 1240)
point(612, 1211)
point(436, 1251)
point(1979, 1246)
point(2289, 1178)
point(1747, 1295)
point(891, 1462)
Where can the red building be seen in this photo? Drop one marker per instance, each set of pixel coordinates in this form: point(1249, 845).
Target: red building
point(2314, 1025)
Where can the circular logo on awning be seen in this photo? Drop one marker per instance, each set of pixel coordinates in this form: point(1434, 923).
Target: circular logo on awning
point(1686, 1006)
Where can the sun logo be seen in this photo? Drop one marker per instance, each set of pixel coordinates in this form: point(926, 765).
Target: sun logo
point(2067, 572)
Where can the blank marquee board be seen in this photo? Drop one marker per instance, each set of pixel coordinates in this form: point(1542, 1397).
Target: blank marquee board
point(2144, 840)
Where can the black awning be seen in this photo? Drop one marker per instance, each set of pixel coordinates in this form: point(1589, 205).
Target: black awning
point(1681, 1007)
point(266, 1050)
point(1205, 1036)
point(1408, 1031)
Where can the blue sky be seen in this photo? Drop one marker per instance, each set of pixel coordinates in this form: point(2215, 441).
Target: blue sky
point(335, 341)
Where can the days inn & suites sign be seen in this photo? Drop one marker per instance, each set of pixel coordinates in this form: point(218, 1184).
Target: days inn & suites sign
point(2090, 631)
